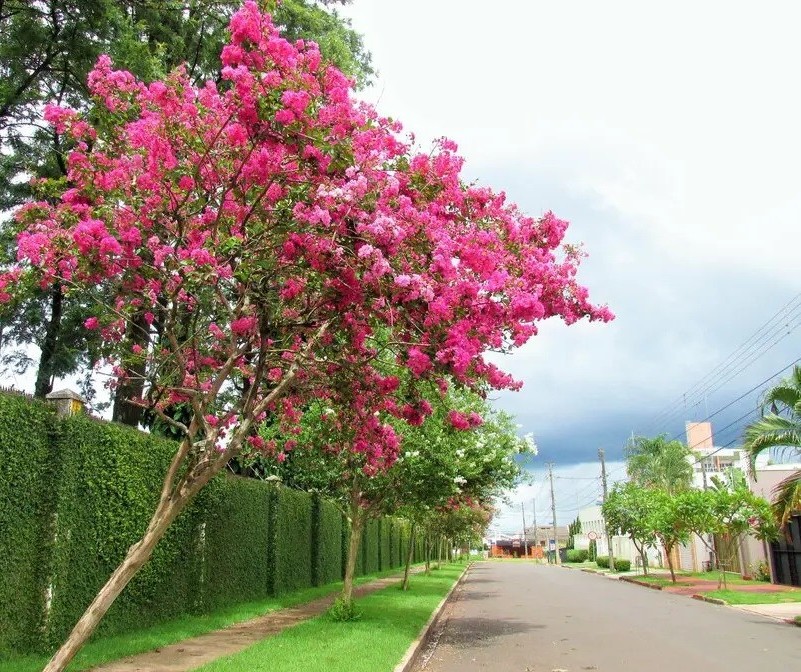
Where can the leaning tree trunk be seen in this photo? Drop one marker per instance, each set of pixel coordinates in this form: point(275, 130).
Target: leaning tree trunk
point(356, 528)
point(44, 375)
point(409, 553)
point(138, 555)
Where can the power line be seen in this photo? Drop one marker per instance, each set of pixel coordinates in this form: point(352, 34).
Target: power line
point(745, 394)
point(750, 350)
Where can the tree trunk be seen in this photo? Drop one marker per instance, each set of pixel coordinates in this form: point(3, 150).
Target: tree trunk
point(44, 375)
point(134, 385)
point(137, 555)
point(427, 553)
point(356, 527)
point(644, 559)
point(670, 564)
point(409, 554)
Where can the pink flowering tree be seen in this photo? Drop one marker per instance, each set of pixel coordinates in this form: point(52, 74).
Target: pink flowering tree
point(415, 449)
point(241, 242)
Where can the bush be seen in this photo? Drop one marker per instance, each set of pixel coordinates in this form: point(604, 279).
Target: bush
point(576, 555)
point(602, 561)
point(622, 565)
point(592, 554)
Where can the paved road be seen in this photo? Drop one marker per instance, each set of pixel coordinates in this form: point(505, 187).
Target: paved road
point(515, 617)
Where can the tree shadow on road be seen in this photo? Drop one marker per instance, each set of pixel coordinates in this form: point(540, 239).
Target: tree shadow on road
point(476, 631)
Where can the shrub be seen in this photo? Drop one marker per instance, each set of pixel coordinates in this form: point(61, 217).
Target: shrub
point(592, 554)
point(577, 555)
point(622, 565)
point(602, 561)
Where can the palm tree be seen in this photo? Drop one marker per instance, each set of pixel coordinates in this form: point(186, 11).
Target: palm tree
point(659, 463)
point(780, 428)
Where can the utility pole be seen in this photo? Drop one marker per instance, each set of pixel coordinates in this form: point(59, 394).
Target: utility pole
point(608, 536)
point(553, 512)
point(534, 514)
point(525, 538)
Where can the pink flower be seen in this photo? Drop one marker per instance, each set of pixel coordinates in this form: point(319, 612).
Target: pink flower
point(418, 362)
point(91, 323)
point(243, 325)
point(458, 420)
point(275, 374)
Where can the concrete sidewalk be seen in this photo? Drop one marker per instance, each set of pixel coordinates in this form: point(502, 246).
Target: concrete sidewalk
point(786, 611)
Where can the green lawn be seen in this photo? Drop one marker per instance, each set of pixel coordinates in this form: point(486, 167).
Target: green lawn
point(390, 621)
point(660, 578)
point(111, 648)
point(742, 597)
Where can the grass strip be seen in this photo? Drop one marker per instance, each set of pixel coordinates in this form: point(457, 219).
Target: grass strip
point(104, 650)
point(744, 597)
point(390, 621)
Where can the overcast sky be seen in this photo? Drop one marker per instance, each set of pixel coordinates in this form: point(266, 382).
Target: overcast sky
point(669, 138)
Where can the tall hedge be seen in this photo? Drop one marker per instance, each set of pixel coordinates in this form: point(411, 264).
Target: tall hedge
point(327, 543)
point(110, 481)
point(385, 543)
point(75, 494)
point(237, 543)
point(293, 532)
point(27, 468)
point(371, 546)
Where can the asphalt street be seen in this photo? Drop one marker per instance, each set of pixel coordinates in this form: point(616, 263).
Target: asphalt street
point(520, 617)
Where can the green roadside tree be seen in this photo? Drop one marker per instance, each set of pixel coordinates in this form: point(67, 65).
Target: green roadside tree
point(630, 508)
point(672, 520)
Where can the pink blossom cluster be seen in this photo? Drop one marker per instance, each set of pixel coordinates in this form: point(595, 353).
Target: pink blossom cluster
point(274, 228)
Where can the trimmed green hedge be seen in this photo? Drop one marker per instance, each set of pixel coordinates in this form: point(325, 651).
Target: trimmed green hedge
point(26, 505)
point(236, 544)
point(75, 494)
point(109, 484)
point(329, 556)
point(293, 533)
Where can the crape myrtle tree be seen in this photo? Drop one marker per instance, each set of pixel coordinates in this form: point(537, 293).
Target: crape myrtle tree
point(47, 49)
point(445, 468)
point(461, 522)
point(261, 234)
point(416, 450)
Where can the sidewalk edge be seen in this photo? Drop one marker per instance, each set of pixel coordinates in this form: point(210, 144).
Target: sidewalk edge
point(410, 657)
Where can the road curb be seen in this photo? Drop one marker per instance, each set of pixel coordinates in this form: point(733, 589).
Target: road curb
point(410, 657)
point(711, 600)
point(636, 582)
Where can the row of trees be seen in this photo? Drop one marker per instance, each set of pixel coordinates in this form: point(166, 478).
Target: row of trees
point(264, 265)
point(651, 516)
